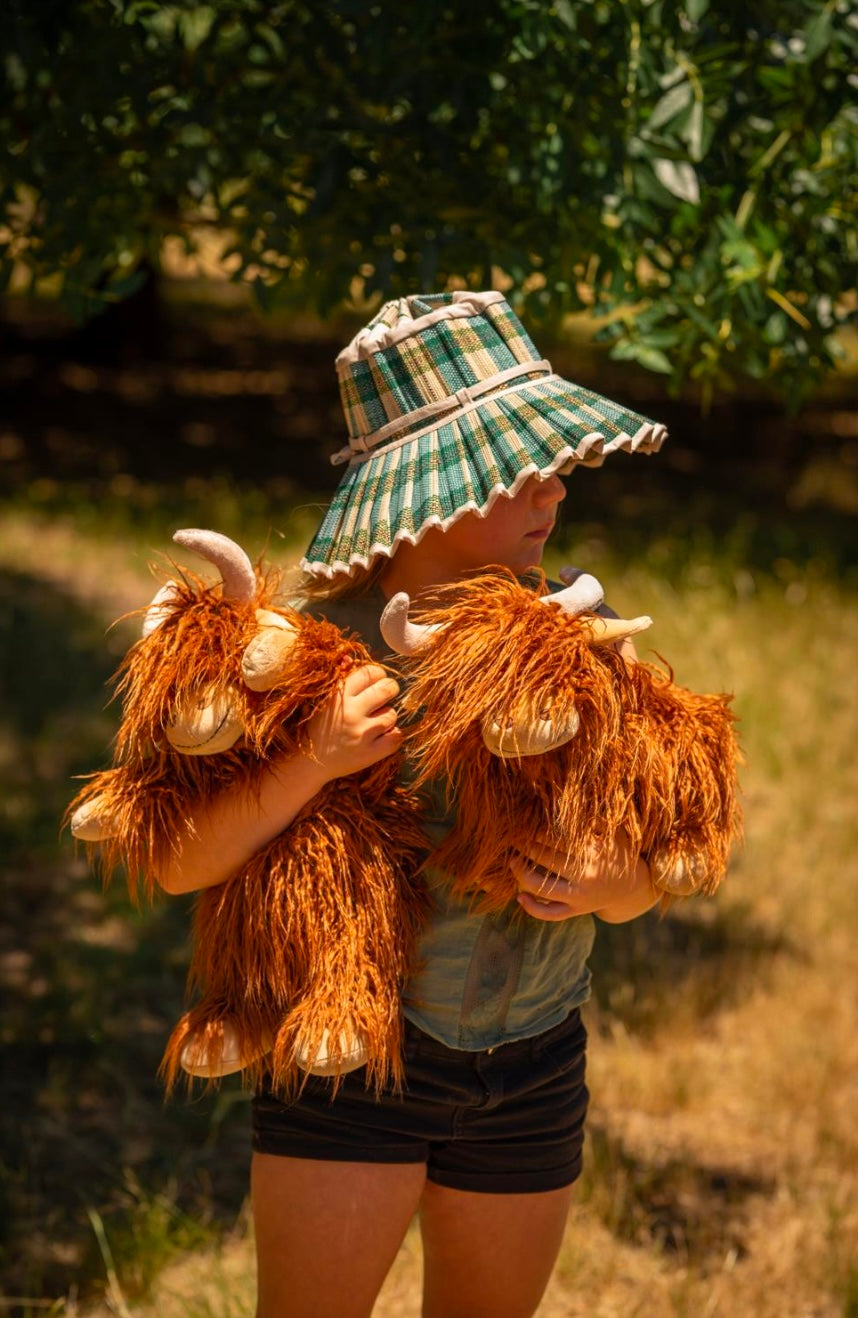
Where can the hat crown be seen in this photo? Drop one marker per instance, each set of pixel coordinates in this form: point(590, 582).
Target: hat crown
point(418, 351)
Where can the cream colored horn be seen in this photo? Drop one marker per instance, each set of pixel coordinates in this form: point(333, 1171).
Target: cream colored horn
point(236, 569)
point(402, 635)
point(583, 594)
point(604, 631)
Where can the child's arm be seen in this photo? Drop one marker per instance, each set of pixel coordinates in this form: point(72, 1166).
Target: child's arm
point(353, 730)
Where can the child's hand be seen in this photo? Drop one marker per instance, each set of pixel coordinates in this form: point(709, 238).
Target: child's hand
point(611, 881)
point(357, 726)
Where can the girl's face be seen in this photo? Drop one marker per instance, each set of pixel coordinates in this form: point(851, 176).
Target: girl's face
point(513, 533)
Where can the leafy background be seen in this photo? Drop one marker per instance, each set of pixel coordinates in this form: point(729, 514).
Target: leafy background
point(685, 170)
point(201, 204)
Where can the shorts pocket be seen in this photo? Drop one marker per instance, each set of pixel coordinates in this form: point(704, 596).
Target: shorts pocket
point(561, 1050)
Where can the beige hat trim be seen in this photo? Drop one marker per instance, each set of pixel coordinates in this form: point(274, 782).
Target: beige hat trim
point(370, 341)
point(362, 447)
point(565, 459)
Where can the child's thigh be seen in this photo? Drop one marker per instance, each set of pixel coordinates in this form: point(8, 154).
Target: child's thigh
point(328, 1232)
point(489, 1255)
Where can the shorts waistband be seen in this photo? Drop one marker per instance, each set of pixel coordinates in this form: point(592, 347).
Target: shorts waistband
point(420, 1044)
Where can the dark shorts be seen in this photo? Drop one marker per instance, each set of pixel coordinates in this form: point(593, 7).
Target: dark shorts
point(508, 1121)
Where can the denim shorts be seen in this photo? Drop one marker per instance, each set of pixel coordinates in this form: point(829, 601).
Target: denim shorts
point(509, 1120)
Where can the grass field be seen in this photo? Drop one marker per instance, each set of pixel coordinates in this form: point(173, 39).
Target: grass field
point(722, 1162)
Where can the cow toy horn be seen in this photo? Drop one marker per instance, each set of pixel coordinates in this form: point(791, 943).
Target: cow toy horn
point(236, 569)
point(210, 722)
point(402, 635)
point(584, 594)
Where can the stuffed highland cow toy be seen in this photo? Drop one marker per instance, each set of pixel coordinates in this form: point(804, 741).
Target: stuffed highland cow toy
point(297, 960)
point(548, 734)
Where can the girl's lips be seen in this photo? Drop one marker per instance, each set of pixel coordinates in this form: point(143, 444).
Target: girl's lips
point(541, 533)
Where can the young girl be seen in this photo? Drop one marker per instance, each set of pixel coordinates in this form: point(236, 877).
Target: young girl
point(458, 435)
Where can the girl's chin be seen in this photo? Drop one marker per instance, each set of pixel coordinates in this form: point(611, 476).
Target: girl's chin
point(530, 556)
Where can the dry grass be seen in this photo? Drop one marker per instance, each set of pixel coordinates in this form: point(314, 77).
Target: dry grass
point(722, 1163)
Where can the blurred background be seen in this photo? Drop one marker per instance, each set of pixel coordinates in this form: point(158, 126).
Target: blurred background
point(201, 203)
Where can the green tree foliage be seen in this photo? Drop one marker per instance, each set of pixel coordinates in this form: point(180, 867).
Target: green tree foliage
point(687, 169)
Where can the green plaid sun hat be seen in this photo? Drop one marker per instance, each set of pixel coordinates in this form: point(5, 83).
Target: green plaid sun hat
point(449, 407)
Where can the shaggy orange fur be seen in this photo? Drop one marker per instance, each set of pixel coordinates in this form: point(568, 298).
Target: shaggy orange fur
point(318, 930)
point(649, 755)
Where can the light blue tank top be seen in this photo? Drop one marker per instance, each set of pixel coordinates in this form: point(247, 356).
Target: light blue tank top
point(483, 980)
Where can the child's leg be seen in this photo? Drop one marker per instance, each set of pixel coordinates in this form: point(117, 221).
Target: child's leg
point(328, 1232)
point(489, 1253)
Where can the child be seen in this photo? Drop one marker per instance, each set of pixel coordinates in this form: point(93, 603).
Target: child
point(459, 433)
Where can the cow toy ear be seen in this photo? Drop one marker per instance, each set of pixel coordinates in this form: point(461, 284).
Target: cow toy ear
point(207, 723)
point(267, 656)
point(605, 631)
point(163, 603)
point(584, 594)
point(93, 821)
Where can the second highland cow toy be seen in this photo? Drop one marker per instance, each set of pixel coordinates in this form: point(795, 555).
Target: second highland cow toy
point(549, 735)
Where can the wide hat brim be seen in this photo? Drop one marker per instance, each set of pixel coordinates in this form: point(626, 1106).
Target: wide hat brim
point(485, 452)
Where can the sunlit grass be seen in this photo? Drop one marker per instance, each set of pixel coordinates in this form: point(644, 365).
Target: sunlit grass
point(722, 1166)
point(724, 1055)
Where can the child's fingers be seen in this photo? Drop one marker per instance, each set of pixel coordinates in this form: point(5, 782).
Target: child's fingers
point(545, 887)
point(555, 860)
point(388, 739)
point(360, 678)
point(543, 910)
point(375, 696)
point(382, 721)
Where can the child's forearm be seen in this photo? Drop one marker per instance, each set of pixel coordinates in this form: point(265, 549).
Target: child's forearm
point(640, 897)
point(224, 833)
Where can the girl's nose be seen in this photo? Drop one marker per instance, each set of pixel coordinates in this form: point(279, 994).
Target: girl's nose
point(548, 490)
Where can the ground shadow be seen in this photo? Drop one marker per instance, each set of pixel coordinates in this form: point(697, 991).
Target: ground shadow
point(90, 987)
point(699, 959)
point(695, 1212)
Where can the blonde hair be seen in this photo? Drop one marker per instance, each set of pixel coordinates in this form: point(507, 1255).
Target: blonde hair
point(343, 585)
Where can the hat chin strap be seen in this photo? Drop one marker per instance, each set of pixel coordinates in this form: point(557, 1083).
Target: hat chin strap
point(463, 399)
